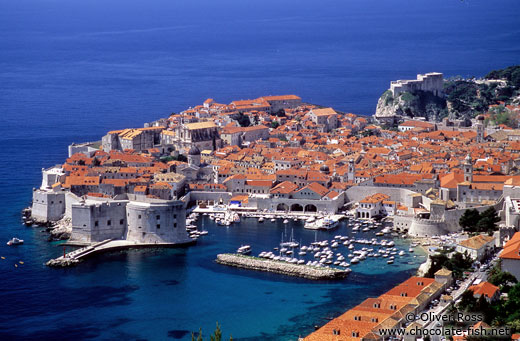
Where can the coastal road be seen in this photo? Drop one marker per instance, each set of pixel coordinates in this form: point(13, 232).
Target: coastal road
point(438, 310)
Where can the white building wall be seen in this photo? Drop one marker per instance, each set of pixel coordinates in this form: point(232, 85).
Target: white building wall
point(48, 206)
point(512, 266)
point(96, 221)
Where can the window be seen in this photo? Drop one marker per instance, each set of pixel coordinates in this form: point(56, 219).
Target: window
point(121, 222)
point(139, 216)
point(175, 225)
point(109, 222)
point(158, 226)
point(139, 226)
point(158, 217)
point(174, 216)
point(96, 223)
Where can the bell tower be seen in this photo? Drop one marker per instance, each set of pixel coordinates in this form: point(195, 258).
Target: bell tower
point(468, 169)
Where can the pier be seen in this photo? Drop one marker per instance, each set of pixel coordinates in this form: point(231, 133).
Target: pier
point(74, 257)
point(297, 270)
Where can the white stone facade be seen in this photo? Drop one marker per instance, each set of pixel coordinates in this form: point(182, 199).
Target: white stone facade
point(431, 82)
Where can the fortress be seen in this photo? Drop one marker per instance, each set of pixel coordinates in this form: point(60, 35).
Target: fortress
point(431, 82)
point(130, 217)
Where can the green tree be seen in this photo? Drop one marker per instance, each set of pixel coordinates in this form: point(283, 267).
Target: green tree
point(217, 335)
point(467, 301)
point(199, 337)
point(243, 120)
point(468, 221)
point(275, 124)
point(488, 221)
point(503, 279)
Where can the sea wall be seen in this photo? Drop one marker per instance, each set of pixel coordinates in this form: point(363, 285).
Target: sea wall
point(283, 204)
point(305, 271)
point(216, 197)
point(405, 196)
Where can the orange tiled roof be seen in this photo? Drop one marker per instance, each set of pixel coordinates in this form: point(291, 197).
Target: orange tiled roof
point(484, 288)
point(512, 248)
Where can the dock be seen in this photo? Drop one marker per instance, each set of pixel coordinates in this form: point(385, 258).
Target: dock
point(284, 268)
point(108, 245)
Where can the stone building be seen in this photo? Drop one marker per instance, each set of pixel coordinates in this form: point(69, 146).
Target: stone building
point(203, 135)
point(326, 119)
point(432, 82)
point(136, 219)
point(283, 102)
point(510, 256)
point(137, 139)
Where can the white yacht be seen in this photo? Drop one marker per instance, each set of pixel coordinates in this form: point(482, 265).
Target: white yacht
point(244, 249)
point(15, 241)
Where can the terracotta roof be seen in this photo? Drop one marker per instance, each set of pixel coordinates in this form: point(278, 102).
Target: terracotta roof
point(324, 112)
point(512, 248)
point(443, 272)
point(476, 242)
point(285, 187)
point(484, 288)
point(200, 125)
point(372, 199)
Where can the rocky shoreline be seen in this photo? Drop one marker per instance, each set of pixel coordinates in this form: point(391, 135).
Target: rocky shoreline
point(259, 264)
point(58, 230)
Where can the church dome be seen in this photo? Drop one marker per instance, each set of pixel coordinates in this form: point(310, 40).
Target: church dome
point(324, 168)
point(194, 150)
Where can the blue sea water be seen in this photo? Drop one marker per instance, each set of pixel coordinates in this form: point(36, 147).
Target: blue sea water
point(71, 70)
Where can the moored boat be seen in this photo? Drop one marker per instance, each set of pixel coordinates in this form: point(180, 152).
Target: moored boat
point(15, 241)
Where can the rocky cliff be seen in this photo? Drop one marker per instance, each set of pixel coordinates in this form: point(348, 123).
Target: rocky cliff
point(419, 104)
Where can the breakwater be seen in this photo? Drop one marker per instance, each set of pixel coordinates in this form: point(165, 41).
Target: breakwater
point(259, 264)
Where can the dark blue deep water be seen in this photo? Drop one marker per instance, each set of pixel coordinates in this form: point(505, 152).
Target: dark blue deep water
point(70, 70)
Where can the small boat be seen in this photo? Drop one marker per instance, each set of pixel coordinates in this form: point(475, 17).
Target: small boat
point(15, 241)
point(261, 219)
point(244, 249)
point(273, 220)
point(391, 261)
point(410, 250)
point(286, 221)
point(203, 232)
point(401, 253)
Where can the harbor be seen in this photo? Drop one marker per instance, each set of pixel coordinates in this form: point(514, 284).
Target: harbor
point(353, 242)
